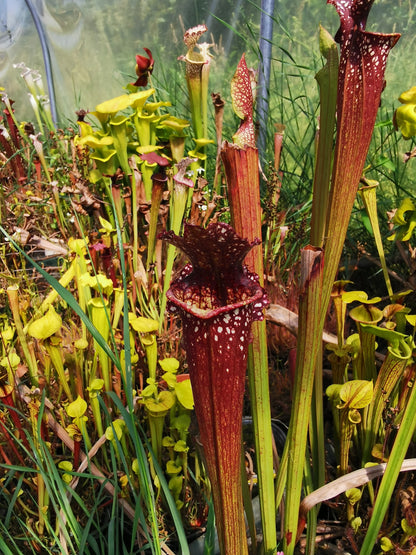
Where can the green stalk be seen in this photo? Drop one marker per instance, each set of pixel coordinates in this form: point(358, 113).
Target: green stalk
point(258, 382)
point(193, 79)
point(12, 294)
point(100, 320)
point(157, 193)
point(248, 504)
point(55, 352)
point(177, 148)
point(53, 184)
point(144, 125)
point(35, 106)
point(42, 498)
point(316, 425)
point(366, 314)
point(84, 292)
point(327, 79)
point(116, 190)
point(151, 356)
point(65, 280)
point(156, 425)
point(80, 346)
point(118, 129)
point(147, 170)
point(307, 351)
point(95, 389)
point(397, 455)
point(134, 208)
point(241, 169)
point(179, 200)
point(346, 430)
point(204, 91)
point(390, 373)
point(118, 305)
point(312, 520)
point(368, 195)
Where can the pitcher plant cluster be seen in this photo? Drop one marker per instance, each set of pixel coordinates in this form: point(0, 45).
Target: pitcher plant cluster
point(158, 313)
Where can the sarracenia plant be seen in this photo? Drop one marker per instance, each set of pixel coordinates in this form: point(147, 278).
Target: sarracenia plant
point(197, 72)
point(360, 83)
point(241, 165)
point(217, 300)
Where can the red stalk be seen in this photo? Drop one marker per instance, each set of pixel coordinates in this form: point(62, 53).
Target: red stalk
point(217, 300)
point(243, 190)
point(241, 165)
point(5, 457)
point(77, 452)
point(360, 84)
point(14, 133)
point(108, 265)
point(7, 399)
point(11, 443)
point(14, 159)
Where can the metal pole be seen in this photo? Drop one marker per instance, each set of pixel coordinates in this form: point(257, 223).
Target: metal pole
point(265, 49)
point(46, 57)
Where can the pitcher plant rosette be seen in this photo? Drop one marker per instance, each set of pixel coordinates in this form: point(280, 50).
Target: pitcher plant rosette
point(217, 299)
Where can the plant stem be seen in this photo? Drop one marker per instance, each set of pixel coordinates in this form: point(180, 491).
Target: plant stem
point(307, 350)
point(241, 169)
point(13, 296)
point(397, 455)
point(369, 197)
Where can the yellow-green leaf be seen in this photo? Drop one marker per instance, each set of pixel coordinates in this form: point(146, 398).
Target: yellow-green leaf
point(98, 282)
point(143, 325)
point(386, 544)
point(181, 422)
point(172, 468)
point(407, 529)
point(168, 442)
point(12, 360)
point(118, 427)
point(366, 313)
point(46, 326)
point(77, 408)
point(170, 364)
point(333, 392)
point(181, 447)
point(356, 394)
point(355, 523)
point(353, 495)
point(119, 103)
point(354, 416)
point(135, 467)
point(164, 402)
point(184, 394)
point(360, 296)
point(170, 379)
point(411, 318)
